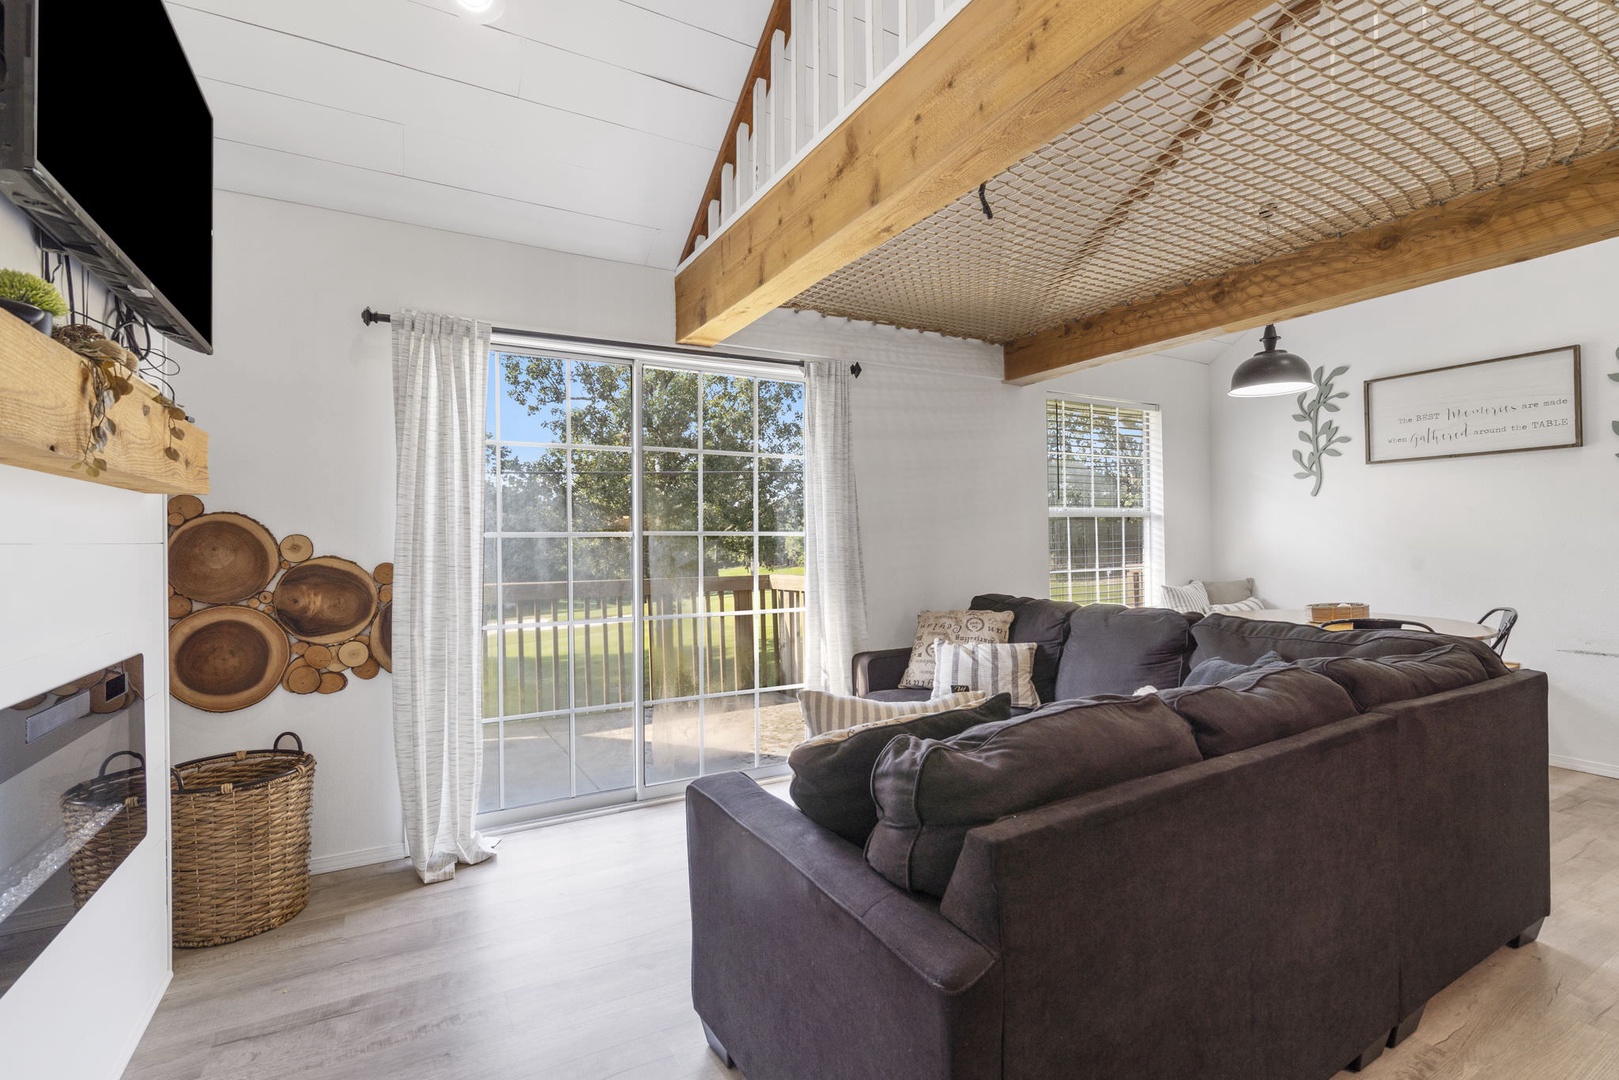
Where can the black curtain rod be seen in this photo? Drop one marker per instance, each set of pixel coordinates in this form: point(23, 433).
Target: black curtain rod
point(368, 317)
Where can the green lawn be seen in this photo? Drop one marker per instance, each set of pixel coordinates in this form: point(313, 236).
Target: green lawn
point(603, 657)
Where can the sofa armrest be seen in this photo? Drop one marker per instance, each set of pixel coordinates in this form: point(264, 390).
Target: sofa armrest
point(801, 953)
point(1232, 918)
point(881, 669)
point(1475, 826)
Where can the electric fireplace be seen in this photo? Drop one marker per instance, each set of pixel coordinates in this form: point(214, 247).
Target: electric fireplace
point(72, 803)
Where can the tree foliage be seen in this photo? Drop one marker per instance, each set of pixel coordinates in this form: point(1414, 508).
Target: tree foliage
point(694, 427)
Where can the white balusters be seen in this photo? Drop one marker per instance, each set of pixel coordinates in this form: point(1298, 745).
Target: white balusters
point(832, 53)
point(851, 62)
point(758, 140)
point(745, 175)
point(782, 93)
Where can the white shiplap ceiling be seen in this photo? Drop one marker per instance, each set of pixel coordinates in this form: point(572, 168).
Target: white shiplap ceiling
point(587, 126)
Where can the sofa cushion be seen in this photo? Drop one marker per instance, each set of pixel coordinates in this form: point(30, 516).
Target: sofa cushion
point(992, 669)
point(1258, 707)
point(1117, 650)
point(1214, 670)
point(986, 626)
point(930, 792)
point(1385, 680)
point(1229, 592)
point(1232, 637)
point(1042, 622)
point(832, 773)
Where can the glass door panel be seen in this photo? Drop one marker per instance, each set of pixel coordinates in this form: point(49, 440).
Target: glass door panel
point(643, 597)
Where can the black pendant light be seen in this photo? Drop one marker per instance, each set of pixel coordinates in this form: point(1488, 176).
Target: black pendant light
point(1271, 371)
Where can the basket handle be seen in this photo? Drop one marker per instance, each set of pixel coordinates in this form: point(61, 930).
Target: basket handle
point(139, 760)
point(277, 744)
point(179, 784)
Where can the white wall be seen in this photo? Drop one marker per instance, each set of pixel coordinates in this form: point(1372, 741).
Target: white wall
point(951, 462)
point(1534, 531)
point(297, 401)
point(82, 586)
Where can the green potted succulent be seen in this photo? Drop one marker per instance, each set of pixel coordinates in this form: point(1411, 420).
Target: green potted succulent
point(31, 298)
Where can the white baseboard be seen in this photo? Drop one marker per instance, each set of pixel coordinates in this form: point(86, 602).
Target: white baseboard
point(1596, 768)
point(134, 1040)
point(348, 860)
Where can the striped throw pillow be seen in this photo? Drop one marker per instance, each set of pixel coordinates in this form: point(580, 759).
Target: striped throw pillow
point(1253, 603)
point(1189, 597)
point(831, 717)
point(992, 669)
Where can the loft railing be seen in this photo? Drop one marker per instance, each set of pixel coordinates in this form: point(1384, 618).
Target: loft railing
point(538, 639)
point(814, 62)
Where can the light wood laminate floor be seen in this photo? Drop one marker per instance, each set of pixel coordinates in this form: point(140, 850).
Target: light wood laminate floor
point(565, 958)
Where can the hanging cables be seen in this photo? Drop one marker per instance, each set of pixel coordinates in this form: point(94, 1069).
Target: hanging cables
point(124, 325)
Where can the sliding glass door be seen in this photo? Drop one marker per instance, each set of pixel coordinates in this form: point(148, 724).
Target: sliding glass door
point(643, 565)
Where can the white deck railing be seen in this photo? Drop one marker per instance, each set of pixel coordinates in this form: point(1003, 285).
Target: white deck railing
point(823, 58)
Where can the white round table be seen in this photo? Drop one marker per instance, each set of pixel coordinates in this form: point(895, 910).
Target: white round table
point(1453, 627)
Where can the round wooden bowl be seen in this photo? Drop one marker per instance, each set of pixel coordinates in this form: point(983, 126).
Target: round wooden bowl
point(382, 638)
point(221, 558)
point(226, 658)
point(326, 600)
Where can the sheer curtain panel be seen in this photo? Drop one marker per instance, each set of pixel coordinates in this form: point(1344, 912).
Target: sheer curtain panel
point(440, 369)
point(834, 577)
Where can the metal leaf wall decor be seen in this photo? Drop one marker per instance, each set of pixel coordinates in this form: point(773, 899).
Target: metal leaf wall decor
point(1322, 435)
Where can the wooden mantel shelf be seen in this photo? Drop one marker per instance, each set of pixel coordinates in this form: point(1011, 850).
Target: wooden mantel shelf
point(45, 421)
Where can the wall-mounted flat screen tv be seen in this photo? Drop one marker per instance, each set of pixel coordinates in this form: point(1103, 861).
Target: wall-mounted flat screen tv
point(107, 144)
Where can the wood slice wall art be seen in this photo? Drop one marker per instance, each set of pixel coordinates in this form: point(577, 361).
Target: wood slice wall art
point(249, 613)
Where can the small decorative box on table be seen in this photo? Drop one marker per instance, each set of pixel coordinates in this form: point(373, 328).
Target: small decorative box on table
point(1325, 613)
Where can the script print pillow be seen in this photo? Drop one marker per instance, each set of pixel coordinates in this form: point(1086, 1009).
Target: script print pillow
point(980, 627)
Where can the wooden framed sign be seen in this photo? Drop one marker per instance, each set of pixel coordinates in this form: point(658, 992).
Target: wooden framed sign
point(1512, 403)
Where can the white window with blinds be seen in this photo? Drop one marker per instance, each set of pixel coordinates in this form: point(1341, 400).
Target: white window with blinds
point(1104, 484)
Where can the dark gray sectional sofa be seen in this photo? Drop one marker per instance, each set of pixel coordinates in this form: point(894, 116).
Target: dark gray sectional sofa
point(1274, 912)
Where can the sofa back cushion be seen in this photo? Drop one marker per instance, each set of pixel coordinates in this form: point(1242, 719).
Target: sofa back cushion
point(832, 772)
point(1259, 706)
point(930, 792)
point(1229, 592)
point(1118, 650)
point(1231, 637)
point(1044, 623)
point(1374, 683)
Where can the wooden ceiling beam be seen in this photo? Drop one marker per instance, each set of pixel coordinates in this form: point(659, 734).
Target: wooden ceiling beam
point(1551, 210)
point(1000, 80)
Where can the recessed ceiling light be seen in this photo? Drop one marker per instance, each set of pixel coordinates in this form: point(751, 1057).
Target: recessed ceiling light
point(477, 7)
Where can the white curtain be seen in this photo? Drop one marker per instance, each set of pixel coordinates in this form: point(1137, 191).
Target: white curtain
point(834, 577)
point(440, 368)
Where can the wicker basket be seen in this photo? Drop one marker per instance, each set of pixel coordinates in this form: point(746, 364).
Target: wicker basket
point(84, 804)
point(241, 842)
point(1325, 613)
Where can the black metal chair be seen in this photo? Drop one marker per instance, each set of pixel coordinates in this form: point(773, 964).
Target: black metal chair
point(1377, 624)
point(1503, 630)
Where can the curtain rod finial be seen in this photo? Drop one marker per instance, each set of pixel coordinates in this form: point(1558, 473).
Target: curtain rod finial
point(854, 369)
